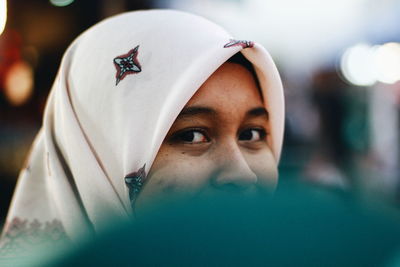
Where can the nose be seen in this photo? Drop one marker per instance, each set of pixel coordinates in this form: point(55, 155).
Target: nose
point(233, 170)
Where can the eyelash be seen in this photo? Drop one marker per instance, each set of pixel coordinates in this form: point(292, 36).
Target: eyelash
point(261, 132)
point(179, 136)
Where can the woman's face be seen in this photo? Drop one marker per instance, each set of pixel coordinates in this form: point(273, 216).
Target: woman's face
point(220, 140)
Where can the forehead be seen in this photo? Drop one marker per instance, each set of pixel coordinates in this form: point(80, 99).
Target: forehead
point(230, 86)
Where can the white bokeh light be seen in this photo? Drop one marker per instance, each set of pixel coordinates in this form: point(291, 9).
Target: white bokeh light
point(387, 63)
point(357, 65)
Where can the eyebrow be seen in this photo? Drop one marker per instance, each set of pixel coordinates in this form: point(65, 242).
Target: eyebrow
point(257, 112)
point(197, 110)
point(200, 110)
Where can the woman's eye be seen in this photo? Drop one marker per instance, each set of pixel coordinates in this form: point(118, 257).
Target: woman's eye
point(192, 137)
point(252, 135)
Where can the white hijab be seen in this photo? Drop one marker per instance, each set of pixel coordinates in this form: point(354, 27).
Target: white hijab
point(119, 88)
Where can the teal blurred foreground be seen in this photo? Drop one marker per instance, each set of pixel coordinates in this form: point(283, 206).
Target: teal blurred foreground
point(299, 226)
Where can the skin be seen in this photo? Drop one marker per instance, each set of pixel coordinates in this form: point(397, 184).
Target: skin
point(219, 141)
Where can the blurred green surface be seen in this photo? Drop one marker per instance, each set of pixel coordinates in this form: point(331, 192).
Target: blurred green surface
point(301, 225)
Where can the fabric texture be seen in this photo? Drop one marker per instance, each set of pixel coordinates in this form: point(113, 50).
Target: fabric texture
point(119, 88)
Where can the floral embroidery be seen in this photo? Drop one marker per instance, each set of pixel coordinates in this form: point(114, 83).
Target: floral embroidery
point(21, 236)
point(134, 181)
point(242, 43)
point(127, 64)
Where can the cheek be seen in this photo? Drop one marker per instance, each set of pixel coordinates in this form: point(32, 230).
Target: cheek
point(263, 164)
point(174, 172)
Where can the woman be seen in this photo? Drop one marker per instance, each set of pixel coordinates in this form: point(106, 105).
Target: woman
point(145, 103)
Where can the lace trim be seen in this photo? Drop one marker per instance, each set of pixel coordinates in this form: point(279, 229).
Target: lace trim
point(22, 236)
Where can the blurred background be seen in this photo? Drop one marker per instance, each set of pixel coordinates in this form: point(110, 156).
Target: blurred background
point(339, 61)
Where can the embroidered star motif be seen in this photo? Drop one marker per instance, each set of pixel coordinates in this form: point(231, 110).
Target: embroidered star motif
point(242, 43)
point(127, 64)
point(134, 181)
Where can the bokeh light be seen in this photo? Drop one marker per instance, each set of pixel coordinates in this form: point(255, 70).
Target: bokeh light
point(18, 85)
point(357, 65)
point(3, 15)
point(387, 63)
point(363, 64)
point(61, 3)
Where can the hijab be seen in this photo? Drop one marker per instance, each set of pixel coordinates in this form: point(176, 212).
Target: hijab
point(119, 88)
